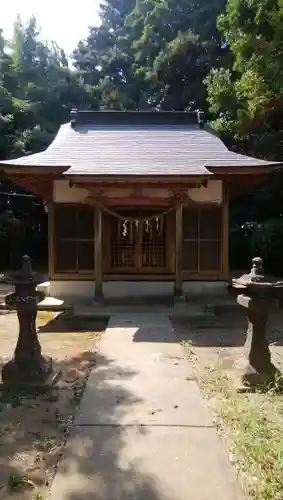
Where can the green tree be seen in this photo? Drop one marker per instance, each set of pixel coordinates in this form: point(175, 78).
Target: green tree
point(37, 91)
point(245, 98)
point(151, 53)
point(253, 81)
point(176, 44)
point(104, 60)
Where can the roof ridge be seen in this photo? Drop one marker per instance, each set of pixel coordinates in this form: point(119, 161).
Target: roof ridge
point(136, 117)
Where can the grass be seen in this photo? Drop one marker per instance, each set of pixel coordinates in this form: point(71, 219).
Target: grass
point(17, 480)
point(34, 427)
point(257, 446)
point(44, 317)
point(38, 496)
point(252, 425)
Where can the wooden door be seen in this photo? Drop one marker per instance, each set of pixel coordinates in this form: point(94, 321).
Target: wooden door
point(137, 246)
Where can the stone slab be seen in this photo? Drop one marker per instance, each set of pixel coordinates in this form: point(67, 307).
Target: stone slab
point(161, 395)
point(143, 431)
point(139, 336)
point(51, 304)
point(148, 463)
point(188, 310)
point(142, 378)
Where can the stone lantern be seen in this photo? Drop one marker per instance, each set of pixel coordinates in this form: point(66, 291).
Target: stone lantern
point(28, 366)
point(258, 294)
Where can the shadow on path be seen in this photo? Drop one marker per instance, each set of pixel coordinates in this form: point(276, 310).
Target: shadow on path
point(94, 462)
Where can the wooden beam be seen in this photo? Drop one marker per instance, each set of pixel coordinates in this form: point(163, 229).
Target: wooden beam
point(178, 253)
point(41, 186)
point(172, 201)
point(100, 186)
point(98, 258)
point(118, 179)
point(127, 201)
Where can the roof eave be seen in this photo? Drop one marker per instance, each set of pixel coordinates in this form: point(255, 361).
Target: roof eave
point(245, 170)
point(10, 168)
point(136, 178)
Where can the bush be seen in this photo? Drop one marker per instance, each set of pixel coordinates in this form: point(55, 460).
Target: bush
point(267, 242)
point(240, 246)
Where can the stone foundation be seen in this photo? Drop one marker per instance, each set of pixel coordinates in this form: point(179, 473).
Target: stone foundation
point(124, 289)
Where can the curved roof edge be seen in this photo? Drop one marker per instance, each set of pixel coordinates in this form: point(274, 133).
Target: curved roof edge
point(134, 147)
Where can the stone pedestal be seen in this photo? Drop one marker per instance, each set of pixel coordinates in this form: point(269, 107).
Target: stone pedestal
point(98, 300)
point(257, 293)
point(28, 367)
point(256, 367)
point(179, 299)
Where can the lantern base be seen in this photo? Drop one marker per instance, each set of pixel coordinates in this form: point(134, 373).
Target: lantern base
point(250, 376)
point(36, 372)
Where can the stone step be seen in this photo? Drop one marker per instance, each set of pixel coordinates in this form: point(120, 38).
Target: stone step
point(52, 304)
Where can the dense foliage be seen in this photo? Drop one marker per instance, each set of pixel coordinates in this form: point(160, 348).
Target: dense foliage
point(223, 56)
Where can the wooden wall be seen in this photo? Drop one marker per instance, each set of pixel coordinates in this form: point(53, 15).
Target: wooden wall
point(204, 249)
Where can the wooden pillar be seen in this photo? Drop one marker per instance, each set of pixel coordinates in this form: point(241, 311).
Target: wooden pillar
point(98, 290)
point(178, 254)
point(225, 231)
point(51, 240)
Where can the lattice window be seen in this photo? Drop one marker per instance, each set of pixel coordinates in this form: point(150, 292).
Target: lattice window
point(138, 244)
point(123, 244)
point(73, 238)
point(202, 239)
point(153, 243)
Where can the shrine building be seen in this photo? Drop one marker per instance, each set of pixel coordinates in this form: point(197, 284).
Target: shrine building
point(137, 202)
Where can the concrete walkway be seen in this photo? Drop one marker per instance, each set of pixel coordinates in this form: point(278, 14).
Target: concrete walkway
point(143, 431)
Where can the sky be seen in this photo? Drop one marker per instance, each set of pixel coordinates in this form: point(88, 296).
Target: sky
point(60, 20)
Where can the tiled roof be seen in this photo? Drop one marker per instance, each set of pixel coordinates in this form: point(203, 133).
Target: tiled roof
point(133, 148)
